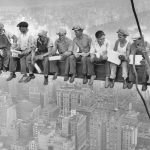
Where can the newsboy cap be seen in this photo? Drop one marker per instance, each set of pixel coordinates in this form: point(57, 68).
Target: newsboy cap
point(42, 33)
point(61, 31)
point(22, 24)
point(123, 32)
point(77, 28)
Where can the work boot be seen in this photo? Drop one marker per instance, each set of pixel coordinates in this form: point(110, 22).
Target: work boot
point(130, 85)
point(72, 78)
point(12, 75)
point(107, 82)
point(4, 69)
point(125, 85)
point(85, 80)
point(23, 78)
point(144, 87)
point(112, 83)
point(29, 78)
point(55, 76)
point(45, 80)
point(66, 78)
point(92, 79)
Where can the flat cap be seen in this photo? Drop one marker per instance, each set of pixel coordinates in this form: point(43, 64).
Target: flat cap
point(78, 27)
point(1, 25)
point(123, 32)
point(61, 31)
point(136, 36)
point(42, 33)
point(22, 24)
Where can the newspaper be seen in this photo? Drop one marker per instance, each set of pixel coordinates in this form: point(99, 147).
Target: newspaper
point(52, 58)
point(138, 59)
point(15, 53)
point(113, 57)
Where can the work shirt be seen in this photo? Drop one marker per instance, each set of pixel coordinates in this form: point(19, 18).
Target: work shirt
point(135, 50)
point(100, 50)
point(5, 39)
point(63, 45)
point(25, 41)
point(42, 47)
point(82, 44)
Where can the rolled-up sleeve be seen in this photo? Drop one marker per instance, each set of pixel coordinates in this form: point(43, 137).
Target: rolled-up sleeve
point(70, 45)
point(50, 43)
point(93, 49)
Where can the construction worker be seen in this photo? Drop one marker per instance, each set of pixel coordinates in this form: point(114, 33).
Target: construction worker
point(122, 46)
point(64, 47)
point(137, 48)
point(5, 44)
point(81, 51)
point(41, 54)
point(98, 54)
point(25, 44)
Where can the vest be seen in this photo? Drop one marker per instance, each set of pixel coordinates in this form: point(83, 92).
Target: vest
point(122, 50)
point(4, 43)
point(42, 46)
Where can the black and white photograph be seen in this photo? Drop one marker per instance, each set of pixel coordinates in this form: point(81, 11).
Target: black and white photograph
point(74, 74)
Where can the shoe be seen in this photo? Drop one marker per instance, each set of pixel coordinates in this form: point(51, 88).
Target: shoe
point(92, 79)
point(45, 81)
point(29, 78)
point(130, 85)
point(12, 75)
point(144, 87)
point(112, 83)
point(55, 76)
point(72, 78)
point(4, 69)
point(125, 85)
point(0, 72)
point(85, 80)
point(107, 82)
point(66, 78)
point(23, 78)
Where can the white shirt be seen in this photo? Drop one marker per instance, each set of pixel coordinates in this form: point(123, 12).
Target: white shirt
point(100, 50)
point(25, 41)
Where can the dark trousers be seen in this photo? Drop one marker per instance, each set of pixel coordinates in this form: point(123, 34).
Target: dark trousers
point(90, 65)
point(145, 75)
point(54, 65)
point(84, 64)
point(4, 61)
point(45, 64)
point(23, 64)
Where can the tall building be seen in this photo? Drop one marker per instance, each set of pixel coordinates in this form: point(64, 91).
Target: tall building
point(7, 113)
point(81, 133)
point(26, 130)
point(69, 98)
point(129, 129)
point(50, 111)
point(57, 142)
point(113, 135)
point(44, 137)
point(33, 145)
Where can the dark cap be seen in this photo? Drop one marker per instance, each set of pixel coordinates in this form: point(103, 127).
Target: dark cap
point(77, 28)
point(22, 24)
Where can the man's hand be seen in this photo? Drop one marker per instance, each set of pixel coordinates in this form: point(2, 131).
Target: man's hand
point(84, 54)
point(77, 55)
point(92, 58)
point(122, 57)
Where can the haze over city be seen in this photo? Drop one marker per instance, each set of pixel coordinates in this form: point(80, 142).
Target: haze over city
point(64, 116)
